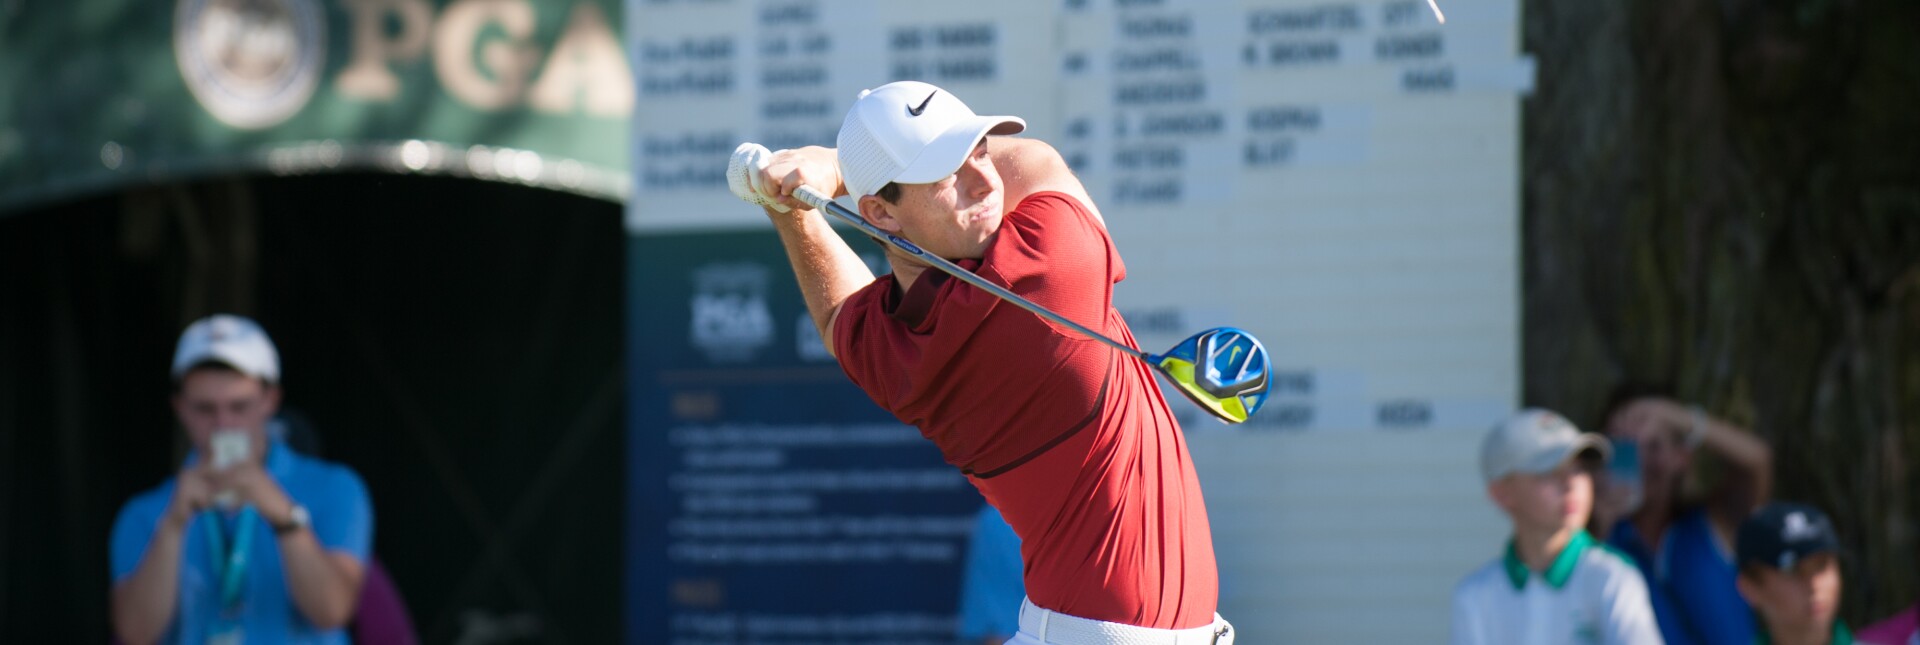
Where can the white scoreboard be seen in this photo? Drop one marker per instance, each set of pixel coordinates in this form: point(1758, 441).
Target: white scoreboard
point(1340, 178)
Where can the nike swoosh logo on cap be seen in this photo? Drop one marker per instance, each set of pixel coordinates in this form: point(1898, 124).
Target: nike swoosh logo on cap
point(915, 111)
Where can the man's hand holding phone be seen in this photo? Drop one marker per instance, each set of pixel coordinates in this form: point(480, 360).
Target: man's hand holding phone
point(242, 480)
point(252, 486)
point(228, 478)
point(193, 491)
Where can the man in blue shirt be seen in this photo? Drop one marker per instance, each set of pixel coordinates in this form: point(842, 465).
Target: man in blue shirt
point(992, 586)
point(1684, 546)
point(250, 542)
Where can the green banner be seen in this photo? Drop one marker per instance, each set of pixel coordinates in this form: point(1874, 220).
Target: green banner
point(100, 93)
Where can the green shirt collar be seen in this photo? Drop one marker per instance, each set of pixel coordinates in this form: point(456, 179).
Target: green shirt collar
point(1840, 635)
point(1557, 573)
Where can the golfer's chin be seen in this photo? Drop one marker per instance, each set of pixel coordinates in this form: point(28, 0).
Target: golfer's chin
point(991, 210)
point(982, 226)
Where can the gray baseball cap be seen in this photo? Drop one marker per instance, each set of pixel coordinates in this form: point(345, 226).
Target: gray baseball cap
point(1535, 441)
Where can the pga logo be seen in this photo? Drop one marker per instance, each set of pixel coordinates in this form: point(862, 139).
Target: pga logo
point(730, 319)
point(254, 63)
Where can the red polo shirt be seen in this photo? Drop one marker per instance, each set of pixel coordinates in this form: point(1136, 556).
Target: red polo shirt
point(1069, 438)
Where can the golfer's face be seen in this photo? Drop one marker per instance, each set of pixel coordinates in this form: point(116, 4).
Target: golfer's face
point(955, 217)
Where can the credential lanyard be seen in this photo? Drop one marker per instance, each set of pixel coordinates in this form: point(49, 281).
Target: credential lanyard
point(230, 560)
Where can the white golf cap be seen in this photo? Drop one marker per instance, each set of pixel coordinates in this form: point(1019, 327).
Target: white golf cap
point(1535, 441)
point(910, 132)
point(231, 340)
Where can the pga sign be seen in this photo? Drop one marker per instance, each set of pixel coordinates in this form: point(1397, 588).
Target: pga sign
point(254, 64)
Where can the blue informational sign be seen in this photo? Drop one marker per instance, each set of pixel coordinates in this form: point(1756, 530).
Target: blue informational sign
point(769, 500)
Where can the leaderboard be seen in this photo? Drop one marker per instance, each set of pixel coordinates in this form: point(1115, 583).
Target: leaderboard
point(1338, 177)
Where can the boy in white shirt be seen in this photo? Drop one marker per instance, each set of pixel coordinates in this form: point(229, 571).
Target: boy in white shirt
point(1555, 583)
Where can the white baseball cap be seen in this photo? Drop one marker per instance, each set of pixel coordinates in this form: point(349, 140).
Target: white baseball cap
point(910, 132)
point(231, 340)
point(1535, 441)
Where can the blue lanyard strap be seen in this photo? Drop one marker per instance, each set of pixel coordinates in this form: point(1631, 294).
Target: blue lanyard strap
point(230, 561)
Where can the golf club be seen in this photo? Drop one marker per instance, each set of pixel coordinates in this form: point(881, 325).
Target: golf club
point(1223, 370)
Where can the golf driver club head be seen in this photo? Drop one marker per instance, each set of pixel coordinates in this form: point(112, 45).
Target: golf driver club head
point(1223, 369)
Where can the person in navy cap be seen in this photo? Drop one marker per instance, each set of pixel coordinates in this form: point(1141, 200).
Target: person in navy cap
point(1790, 575)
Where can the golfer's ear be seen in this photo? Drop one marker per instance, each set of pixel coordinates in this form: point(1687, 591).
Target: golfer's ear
point(878, 213)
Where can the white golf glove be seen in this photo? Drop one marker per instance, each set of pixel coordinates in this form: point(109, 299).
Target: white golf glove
point(745, 179)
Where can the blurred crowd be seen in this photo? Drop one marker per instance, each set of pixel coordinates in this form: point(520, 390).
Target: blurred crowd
point(1622, 536)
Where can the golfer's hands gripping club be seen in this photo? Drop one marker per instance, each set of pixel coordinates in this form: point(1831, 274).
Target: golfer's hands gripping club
point(785, 180)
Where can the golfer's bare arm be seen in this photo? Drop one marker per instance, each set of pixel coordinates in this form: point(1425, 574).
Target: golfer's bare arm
point(827, 269)
point(1029, 166)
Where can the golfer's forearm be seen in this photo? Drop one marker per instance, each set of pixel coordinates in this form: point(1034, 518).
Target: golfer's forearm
point(143, 603)
point(827, 269)
point(321, 590)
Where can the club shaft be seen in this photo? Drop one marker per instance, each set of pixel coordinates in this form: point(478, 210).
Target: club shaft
point(810, 196)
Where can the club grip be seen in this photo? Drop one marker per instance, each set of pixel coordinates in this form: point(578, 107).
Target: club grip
point(812, 197)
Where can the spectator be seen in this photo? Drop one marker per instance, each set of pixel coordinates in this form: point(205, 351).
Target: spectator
point(249, 542)
point(1900, 629)
point(1684, 543)
point(991, 589)
point(1790, 575)
point(1555, 584)
point(382, 618)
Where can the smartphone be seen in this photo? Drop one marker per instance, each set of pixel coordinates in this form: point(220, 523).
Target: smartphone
point(229, 447)
point(1626, 459)
point(1623, 474)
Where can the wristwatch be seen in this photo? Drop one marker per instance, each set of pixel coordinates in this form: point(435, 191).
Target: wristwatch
point(297, 519)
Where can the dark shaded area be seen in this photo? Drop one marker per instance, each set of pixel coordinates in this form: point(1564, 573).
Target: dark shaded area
point(1725, 196)
point(456, 342)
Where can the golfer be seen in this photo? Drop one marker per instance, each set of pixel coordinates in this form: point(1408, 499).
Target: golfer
point(1071, 440)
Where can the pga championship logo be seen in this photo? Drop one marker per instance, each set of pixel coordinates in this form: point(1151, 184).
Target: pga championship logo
point(731, 322)
point(250, 63)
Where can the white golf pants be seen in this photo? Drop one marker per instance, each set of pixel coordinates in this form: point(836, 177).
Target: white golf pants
point(1045, 627)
